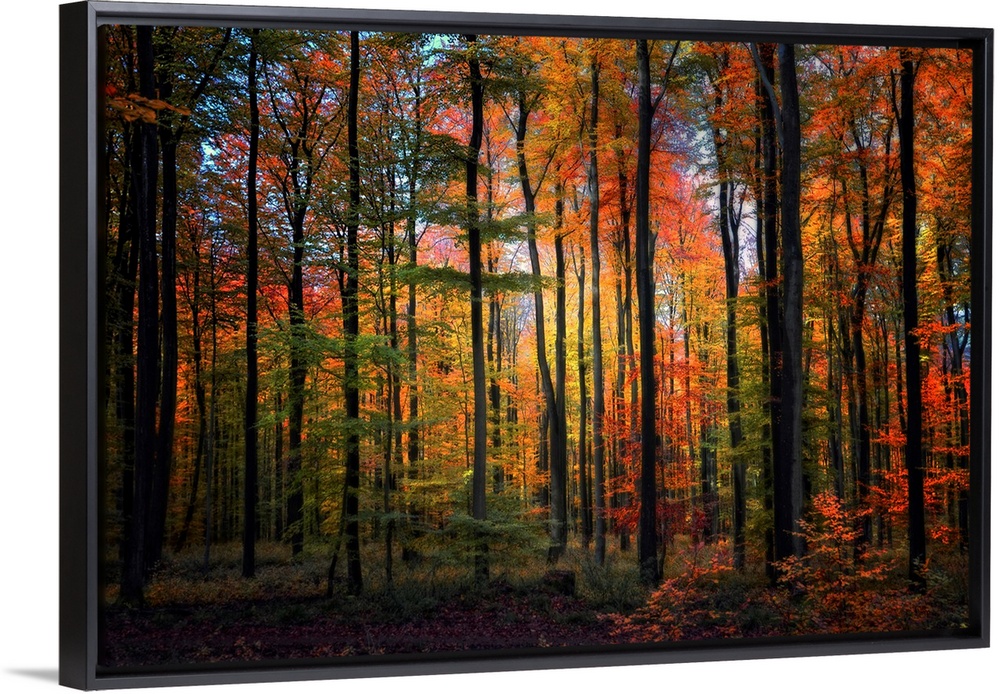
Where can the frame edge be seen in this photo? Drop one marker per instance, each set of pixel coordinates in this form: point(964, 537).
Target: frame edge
point(77, 470)
point(79, 388)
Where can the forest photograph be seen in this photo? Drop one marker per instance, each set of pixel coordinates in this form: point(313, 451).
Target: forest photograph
point(443, 344)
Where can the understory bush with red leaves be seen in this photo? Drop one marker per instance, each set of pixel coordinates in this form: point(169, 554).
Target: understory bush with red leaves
point(835, 591)
point(707, 600)
point(824, 592)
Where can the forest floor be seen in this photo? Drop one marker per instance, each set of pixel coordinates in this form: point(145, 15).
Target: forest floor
point(283, 628)
point(283, 612)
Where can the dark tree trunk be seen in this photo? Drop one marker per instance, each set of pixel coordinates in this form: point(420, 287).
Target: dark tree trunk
point(156, 524)
point(649, 568)
point(300, 161)
point(729, 228)
point(476, 279)
point(494, 359)
point(707, 447)
point(199, 392)
point(731, 252)
point(163, 459)
point(835, 388)
point(914, 406)
point(772, 292)
point(558, 462)
point(352, 398)
point(397, 410)
point(296, 387)
point(126, 270)
point(593, 185)
point(555, 420)
point(170, 128)
point(147, 333)
point(210, 470)
point(628, 421)
point(955, 345)
point(788, 487)
point(413, 414)
point(586, 520)
point(250, 411)
point(280, 471)
point(864, 436)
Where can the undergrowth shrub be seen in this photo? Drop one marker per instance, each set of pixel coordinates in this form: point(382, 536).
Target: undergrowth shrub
point(835, 592)
point(707, 599)
point(825, 591)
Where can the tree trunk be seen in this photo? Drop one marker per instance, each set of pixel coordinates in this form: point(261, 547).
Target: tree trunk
point(476, 280)
point(494, 359)
point(413, 414)
point(163, 459)
point(250, 409)
point(586, 520)
point(558, 462)
point(280, 469)
point(731, 253)
point(773, 356)
point(649, 568)
point(210, 470)
point(395, 389)
point(127, 266)
point(147, 333)
point(199, 392)
point(556, 423)
point(914, 406)
point(629, 432)
point(296, 387)
point(788, 491)
point(593, 186)
point(352, 398)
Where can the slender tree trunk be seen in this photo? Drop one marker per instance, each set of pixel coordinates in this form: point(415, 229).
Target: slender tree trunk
point(296, 387)
point(352, 398)
point(413, 414)
point(835, 388)
point(772, 290)
point(731, 253)
point(556, 423)
point(593, 185)
point(558, 461)
point(586, 520)
point(629, 431)
point(707, 445)
point(331, 572)
point(280, 469)
point(170, 127)
point(649, 568)
point(199, 393)
point(955, 344)
point(864, 474)
point(395, 388)
point(127, 269)
point(542, 464)
point(250, 409)
point(914, 406)
point(147, 332)
point(788, 490)
point(476, 279)
point(210, 469)
point(494, 360)
point(163, 460)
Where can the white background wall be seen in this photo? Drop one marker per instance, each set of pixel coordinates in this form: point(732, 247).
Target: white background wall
point(29, 379)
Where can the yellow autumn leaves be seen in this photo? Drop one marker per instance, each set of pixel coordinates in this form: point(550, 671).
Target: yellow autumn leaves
point(134, 107)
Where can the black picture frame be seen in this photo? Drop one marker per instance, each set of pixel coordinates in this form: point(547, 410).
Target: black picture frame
point(80, 362)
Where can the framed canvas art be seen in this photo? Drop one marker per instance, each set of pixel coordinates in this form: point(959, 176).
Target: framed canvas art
point(400, 342)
